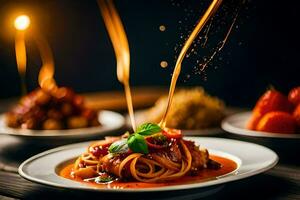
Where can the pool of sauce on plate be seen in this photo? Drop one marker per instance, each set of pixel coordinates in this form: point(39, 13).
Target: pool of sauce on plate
point(204, 175)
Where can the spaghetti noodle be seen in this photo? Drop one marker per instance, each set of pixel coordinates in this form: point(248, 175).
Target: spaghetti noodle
point(169, 157)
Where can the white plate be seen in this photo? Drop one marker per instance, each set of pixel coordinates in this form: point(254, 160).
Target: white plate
point(236, 124)
point(141, 116)
point(251, 159)
point(110, 121)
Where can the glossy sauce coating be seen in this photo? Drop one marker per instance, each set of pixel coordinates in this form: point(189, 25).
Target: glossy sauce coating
point(204, 175)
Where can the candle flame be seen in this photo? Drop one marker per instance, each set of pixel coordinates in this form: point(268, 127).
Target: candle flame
point(119, 41)
point(20, 53)
point(46, 74)
point(22, 22)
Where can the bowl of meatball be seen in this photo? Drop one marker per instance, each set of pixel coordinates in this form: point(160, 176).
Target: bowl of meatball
point(57, 114)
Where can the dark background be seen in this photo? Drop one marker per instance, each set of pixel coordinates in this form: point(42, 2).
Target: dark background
point(262, 49)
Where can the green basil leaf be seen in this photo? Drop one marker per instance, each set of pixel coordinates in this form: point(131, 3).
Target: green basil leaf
point(119, 146)
point(137, 143)
point(148, 129)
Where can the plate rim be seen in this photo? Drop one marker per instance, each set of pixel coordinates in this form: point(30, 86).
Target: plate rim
point(228, 127)
point(210, 183)
point(66, 133)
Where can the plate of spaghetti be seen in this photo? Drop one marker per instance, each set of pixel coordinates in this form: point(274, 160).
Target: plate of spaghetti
point(150, 159)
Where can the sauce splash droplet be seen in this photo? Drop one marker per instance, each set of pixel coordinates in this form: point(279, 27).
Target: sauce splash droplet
point(164, 64)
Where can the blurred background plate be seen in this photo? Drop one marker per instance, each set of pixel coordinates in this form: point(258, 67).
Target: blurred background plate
point(236, 124)
point(285, 145)
point(110, 122)
point(141, 117)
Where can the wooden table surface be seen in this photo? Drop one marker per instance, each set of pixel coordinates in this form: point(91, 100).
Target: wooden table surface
point(281, 182)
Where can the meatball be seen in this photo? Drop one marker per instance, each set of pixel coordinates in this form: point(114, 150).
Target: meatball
point(12, 120)
point(52, 124)
point(54, 114)
point(67, 109)
point(29, 124)
point(77, 122)
point(41, 97)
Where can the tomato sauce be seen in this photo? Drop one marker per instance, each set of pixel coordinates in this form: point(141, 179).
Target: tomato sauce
point(204, 175)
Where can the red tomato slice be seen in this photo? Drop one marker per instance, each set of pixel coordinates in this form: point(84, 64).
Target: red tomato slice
point(101, 147)
point(172, 133)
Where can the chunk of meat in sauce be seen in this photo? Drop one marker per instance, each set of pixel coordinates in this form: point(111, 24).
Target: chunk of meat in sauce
point(171, 152)
point(111, 165)
point(200, 157)
point(174, 154)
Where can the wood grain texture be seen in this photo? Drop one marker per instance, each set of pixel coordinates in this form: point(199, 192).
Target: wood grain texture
point(6, 198)
point(264, 186)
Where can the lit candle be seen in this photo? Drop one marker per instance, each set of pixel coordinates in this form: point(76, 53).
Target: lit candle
point(21, 24)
